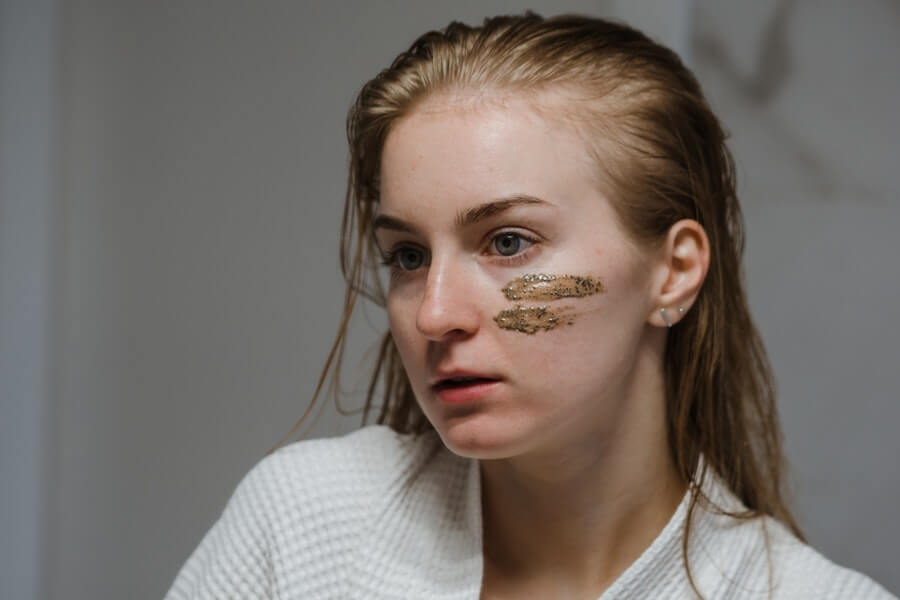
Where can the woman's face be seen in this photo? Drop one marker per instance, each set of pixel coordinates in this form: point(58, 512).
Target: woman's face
point(509, 266)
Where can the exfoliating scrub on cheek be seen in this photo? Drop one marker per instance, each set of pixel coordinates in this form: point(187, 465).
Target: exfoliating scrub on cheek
point(549, 288)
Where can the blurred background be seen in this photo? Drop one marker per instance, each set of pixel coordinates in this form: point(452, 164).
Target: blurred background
point(171, 181)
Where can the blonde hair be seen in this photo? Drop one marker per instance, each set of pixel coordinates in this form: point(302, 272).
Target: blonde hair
point(640, 105)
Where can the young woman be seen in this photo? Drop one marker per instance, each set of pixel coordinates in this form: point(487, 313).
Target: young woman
point(575, 401)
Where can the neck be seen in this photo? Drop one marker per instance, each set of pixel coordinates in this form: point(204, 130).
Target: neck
point(584, 523)
point(580, 514)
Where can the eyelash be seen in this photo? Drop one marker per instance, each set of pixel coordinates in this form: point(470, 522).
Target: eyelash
point(389, 259)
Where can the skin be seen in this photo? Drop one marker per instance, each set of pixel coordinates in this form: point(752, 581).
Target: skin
point(577, 479)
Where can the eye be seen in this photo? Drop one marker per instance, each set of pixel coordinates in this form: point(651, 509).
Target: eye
point(508, 244)
point(407, 258)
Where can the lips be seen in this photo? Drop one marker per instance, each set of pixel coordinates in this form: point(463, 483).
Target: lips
point(460, 378)
point(460, 387)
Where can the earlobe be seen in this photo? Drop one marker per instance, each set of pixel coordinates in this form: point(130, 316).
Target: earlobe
point(668, 321)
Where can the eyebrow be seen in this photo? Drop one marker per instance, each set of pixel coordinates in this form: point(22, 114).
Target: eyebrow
point(466, 217)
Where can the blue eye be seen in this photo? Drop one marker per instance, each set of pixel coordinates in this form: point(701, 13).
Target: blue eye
point(507, 244)
point(409, 259)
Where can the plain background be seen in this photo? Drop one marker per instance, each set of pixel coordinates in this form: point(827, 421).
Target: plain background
point(172, 176)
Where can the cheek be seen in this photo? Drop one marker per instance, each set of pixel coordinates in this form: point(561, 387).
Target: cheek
point(589, 343)
point(402, 302)
point(577, 330)
point(554, 295)
point(402, 325)
point(393, 317)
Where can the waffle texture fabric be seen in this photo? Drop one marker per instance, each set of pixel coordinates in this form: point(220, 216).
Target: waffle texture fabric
point(375, 514)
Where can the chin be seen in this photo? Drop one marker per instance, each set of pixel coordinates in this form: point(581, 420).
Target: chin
point(476, 437)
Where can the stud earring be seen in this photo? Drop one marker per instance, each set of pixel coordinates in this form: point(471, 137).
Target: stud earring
point(665, 317)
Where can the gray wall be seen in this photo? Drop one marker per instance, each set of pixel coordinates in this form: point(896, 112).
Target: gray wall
point(199, 180)
point(27, 227)
point(810, 91)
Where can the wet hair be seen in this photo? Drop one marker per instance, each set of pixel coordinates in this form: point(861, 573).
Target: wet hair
point(664, 159)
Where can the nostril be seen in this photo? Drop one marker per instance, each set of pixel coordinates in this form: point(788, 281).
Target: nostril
point(441, 322)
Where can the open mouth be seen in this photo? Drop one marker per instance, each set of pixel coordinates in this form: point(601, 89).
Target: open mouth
point(459, 382)
point(465, 390)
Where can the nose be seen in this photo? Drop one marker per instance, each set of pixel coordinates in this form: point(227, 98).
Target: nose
point(448, 307)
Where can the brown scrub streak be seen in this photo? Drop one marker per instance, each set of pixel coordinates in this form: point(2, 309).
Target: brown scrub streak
point(531, 319)
point(551, 287)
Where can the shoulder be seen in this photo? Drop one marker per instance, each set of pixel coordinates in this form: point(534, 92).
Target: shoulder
point(365, 453)
point(296, 520)
point(309, 476)
point(358, 513)
point(803, 572)
point(745, 558)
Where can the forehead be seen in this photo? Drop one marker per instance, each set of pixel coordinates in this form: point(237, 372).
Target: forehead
point(448, 151)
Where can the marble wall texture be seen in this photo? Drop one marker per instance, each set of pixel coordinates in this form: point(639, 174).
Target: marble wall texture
point(810, 91)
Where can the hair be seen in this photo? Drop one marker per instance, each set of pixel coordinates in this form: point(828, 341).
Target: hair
point(635, 102)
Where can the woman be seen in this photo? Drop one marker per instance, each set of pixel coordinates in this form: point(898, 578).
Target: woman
point(576, 402)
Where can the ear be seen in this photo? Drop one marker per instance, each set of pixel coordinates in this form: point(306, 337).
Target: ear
point(682, 267)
